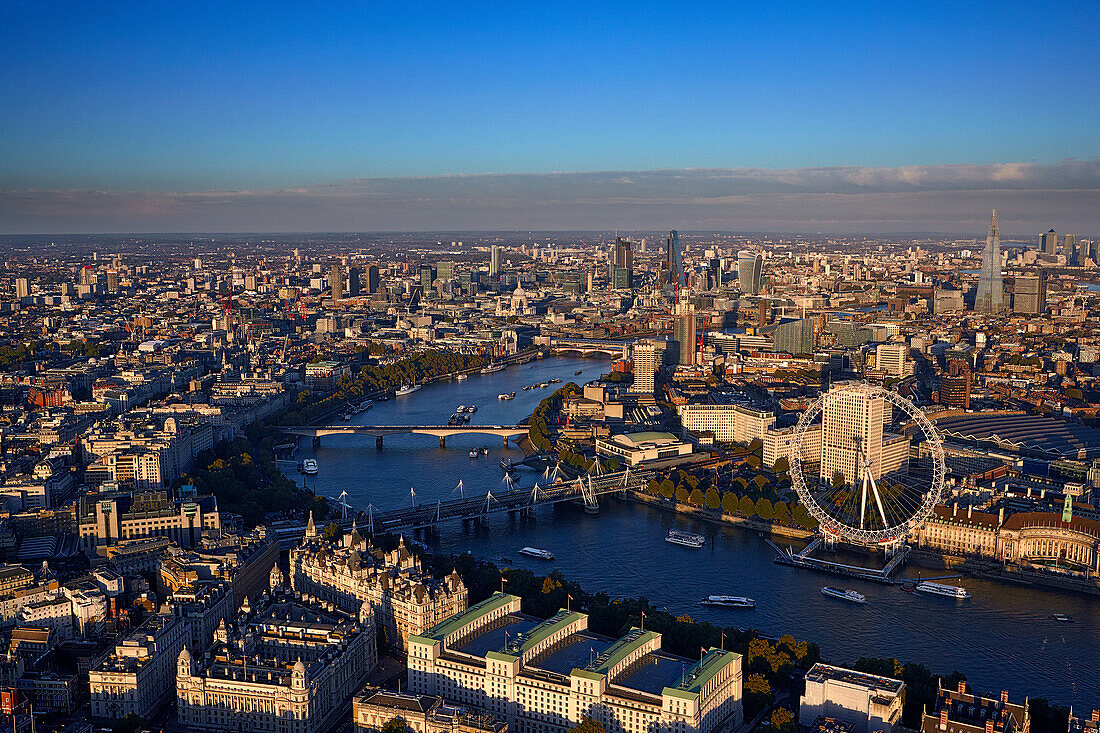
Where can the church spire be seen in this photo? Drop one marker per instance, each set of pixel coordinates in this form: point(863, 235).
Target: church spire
point(311, 528)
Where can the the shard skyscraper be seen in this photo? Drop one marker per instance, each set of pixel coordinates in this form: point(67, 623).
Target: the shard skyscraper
point(991, 292)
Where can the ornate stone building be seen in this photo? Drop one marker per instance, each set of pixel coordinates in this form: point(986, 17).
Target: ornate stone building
point(406, 602)
point(285, 666)
point(1039, 538)
point(137, 675)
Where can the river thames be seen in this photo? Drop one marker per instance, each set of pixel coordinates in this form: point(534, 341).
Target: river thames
point(1003, 637)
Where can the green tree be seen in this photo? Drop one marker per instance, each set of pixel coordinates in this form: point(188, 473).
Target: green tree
point(682, 494)
point(781, 513)
point(712, 499)
point(764, 509)
point(746, 506)
point(668, 489)
point(729, 502)
point(696, 497)
point(782, 465)
point(753, 461)
point(587, 725)
point(782, 720)
point(331, 533)
point(653, 486)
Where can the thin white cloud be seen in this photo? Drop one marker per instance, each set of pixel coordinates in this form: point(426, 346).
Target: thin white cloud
point(951, 198)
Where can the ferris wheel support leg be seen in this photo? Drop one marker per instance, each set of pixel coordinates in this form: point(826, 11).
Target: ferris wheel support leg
point(863, 498)
point(878, 499)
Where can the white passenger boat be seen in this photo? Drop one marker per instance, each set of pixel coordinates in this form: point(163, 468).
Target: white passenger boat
point(844, 595)
point(687, 539)
point(492, 368)
point(407, 389)
point(460, 377)
point(537, 553)
point(939, 589)
point(729, 601)
point(309, 466)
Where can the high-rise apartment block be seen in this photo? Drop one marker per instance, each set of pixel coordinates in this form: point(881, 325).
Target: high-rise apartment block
point(646, 358)
point(683, 332)
point(336, 281)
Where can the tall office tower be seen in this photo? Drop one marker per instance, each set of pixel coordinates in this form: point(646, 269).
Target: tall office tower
point(1029, 296)
point(646, 358)
point(750, 270)
point(22, 287)
point(621, 254)
point(1048, 243)
point(683, 332)
point(955, 385)
point(991, 298)
point(674, 259)
point(427, 276)
point(1069, 248)
point(354, 287)
point(112, 281)
point(196, 263)
point(336, 280)
point(851, 435)
point(445, 270)
point(494, 260)
point(373, 278)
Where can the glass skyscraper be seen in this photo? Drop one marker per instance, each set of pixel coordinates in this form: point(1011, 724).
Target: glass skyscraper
point(750, 269)
point(991, 295)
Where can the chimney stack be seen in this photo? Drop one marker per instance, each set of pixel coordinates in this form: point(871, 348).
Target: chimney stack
point(1095, 716)
point(989, 726)
point(943, 718)
point(962, 687)
point(1004, 696)
point(969, 511)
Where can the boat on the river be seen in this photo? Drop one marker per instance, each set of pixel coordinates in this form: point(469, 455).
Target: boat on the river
point(460, 377)
point(492, 368)
point(484, 450)
point(844, 595)
point(576, 372)
point(729, 601)
point(407, 389)
point(474, 453)
point(940, 589)
point(471, 409)
point(687, 539)
point(1062, 618)
point(309, 466)
point(555, 380)
point(537, 553)
point(508, 396)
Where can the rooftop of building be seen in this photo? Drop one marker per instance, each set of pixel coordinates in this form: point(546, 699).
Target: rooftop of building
point(1035, 434)
point(826, 672)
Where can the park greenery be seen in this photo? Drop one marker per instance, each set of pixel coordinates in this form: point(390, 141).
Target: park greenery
point(539, 422)
point(244, 477)
point(374, 379)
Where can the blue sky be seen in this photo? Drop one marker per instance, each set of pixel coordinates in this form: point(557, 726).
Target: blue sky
point(178, 97)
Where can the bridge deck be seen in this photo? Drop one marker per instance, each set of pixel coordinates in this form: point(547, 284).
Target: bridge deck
point(427, 515)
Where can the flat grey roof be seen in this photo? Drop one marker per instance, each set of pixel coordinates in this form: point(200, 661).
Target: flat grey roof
point(654, 672)
point(576, 651)
point(495, 638)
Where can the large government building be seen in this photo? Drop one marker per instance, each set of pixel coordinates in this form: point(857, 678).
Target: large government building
point(546, 675)
point(286, 666)
point(352, 571)
point(1038, 538)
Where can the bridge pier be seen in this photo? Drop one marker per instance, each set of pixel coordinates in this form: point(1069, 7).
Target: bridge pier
point(316, 442)
point(378, 442)
point(442, 441)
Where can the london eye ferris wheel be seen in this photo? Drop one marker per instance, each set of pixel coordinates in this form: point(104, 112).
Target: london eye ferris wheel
point(851, 466)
